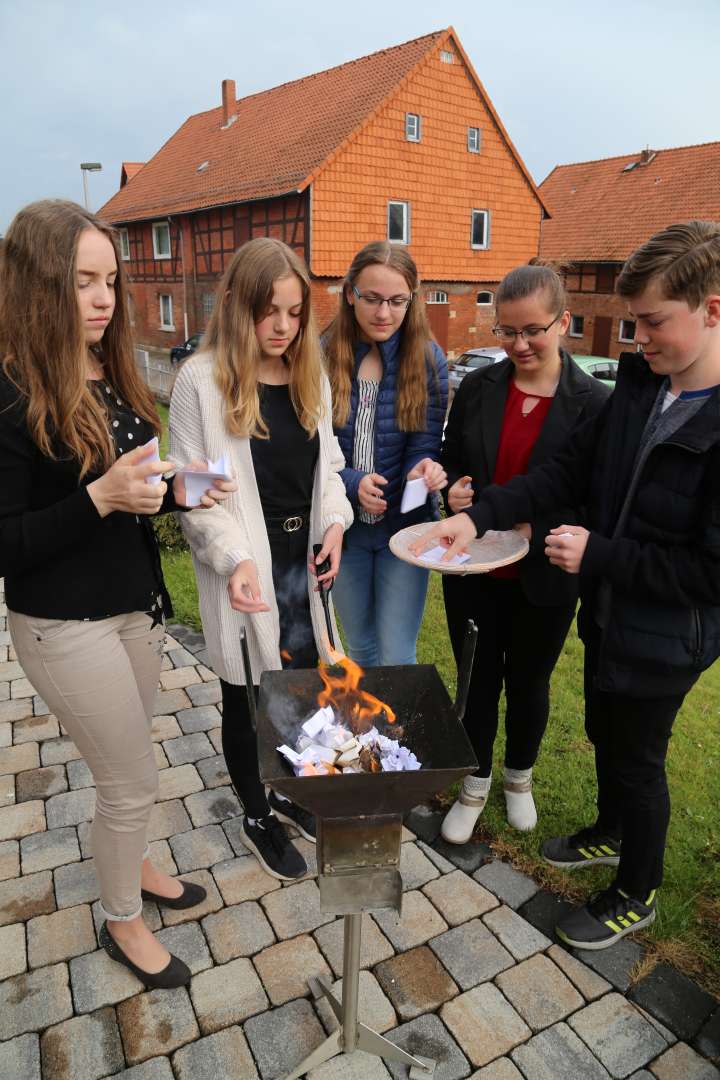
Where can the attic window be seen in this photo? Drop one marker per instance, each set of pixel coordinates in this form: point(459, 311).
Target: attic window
point(630, 166)
point(202, 166)
point(412, 127)
point(473, 140)
point(447, 57)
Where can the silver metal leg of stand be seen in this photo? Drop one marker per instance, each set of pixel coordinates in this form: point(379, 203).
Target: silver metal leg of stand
point(352, 1035)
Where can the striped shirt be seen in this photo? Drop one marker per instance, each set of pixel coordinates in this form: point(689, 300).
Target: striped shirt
point(364, 445)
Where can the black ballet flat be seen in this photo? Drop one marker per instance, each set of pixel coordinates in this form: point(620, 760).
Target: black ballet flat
point(192, 894)
point(177, 973)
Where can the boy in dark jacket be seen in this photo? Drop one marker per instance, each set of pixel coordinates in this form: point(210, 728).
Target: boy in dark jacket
point(648, 470)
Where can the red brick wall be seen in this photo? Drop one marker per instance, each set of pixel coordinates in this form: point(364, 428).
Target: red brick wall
point(589, 305)
point(438, 176)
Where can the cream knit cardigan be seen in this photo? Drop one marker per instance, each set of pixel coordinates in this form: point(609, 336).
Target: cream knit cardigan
point(226, 534)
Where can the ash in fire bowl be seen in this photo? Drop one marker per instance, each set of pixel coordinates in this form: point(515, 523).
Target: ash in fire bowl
point(341, 736)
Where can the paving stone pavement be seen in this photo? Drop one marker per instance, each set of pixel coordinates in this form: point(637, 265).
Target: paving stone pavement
point(470, 975)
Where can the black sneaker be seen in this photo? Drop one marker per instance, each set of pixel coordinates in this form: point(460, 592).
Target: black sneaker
point(588, 847)
point(275, 852)
point(605, 919)
point(292, 814)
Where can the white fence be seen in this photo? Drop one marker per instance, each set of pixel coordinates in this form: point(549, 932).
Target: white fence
point(158, 372)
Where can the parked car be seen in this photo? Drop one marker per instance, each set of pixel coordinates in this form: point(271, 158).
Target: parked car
point(178, 353)
point(600, 367)
point(471, 361)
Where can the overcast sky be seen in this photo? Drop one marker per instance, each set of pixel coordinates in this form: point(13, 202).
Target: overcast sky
point(572, 80)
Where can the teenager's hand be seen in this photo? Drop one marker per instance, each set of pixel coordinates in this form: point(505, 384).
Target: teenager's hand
point(370, 494)
point(525, 530)
point(244, 589)
point(332, 548)
point(218, 493)
point(459, 496)
point(565, 547)
point(124, 486)
point(432, 473)
point(454, 533)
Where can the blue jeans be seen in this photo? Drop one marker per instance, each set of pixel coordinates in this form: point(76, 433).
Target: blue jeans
point(380, 599)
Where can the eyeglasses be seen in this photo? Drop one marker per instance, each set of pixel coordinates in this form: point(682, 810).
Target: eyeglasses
point(397, 303)
point(528, 333)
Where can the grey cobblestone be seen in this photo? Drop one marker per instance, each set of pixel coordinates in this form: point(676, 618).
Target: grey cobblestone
point(374, 946)
point(198, 718)
point(84, 1048)
point(515, 933)
point(484, 1024)
point(79, 775)
point(507, 883)
point(169, 701)
point(282, 1038)
point(539, 991)
point(15, 709)
point(617, 1034)
point(76, 883)
point(212, 902)
point(168, 819)
point(181, 678)
point(419, 922)
point(60, 936)
point(428, 1037)
point(205, 693)
point(40, 783)
point(471, 954)
point(187, 942)
point(223, 1056)
point(682, 1063)
point(157, 1068)
point(165, 727)
point(214, 770)
point(178, 783)
point(35, 729)
point(7, 790)
point(558, 1054)
point(180, 657)
point(34, 1001)
point(295, 910)
point(416, 868)
point(59, 751)
point(70, 808)
point(243, 879)
point(97, 980)
point(458, 898)
point(588, 982)
point(47, 850)
point(374, 1008)
point(212, 807)
point(13, 952)
point(188, 748)
point(20, 1058)
point(9, 859)
point(500, 1069)
point(285, 968)
point(200, 848)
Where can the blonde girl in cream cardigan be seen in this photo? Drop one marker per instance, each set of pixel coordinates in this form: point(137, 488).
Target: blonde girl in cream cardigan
point(256, 393)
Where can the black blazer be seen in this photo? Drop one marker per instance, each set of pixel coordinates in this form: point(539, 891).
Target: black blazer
point(472, 437)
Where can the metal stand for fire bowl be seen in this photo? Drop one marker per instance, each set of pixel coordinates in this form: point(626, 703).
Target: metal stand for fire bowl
point(359, 816)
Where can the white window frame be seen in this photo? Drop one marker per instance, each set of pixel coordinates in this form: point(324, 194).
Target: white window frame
point(163, 324)
point(208, 304)
point(485, 303)
point(486, 244)
point(157, 254)
point(124, 237)
point(447, 56)
point(437, 296)
point(406, 221)
point(622, 336)
point(473, 136)
point(413, 127)
point(572, 329)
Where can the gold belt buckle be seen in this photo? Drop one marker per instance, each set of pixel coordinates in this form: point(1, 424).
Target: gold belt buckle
point(292, 524)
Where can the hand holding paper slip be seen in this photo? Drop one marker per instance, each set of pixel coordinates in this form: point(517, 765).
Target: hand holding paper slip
point(197, 483)
point(414, 495)
point(435, 554)
point(154, 478)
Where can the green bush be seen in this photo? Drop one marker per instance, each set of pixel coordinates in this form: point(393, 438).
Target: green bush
point(169, 533)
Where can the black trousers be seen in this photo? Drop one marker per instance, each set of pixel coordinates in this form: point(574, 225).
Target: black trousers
point(298, 650)
point(630, 736)
point(518, 646)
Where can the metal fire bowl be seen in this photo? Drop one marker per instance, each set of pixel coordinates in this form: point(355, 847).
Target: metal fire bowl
point(431, 729)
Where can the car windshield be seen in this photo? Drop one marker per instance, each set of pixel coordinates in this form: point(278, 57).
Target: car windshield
point(471, 361)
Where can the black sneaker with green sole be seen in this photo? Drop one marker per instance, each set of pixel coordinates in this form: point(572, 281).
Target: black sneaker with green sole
point(588, 847)
point(605, 919)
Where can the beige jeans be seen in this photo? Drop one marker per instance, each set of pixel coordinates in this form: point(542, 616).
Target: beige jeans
point(100, 680)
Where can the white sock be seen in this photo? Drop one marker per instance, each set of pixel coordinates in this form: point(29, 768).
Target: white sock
point(519, 802)
point(459, 822)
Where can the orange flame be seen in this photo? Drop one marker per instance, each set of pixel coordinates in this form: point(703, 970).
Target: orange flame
point(342, 692)
point(285, 655)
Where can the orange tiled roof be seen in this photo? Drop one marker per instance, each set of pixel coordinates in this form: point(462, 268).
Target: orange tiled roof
point(602, 211)
point(280, 137)
point(129, 168)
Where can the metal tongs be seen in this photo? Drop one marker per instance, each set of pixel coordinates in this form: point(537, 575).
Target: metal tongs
point(324, 591)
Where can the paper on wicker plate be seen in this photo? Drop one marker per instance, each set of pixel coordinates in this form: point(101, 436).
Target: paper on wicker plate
point(490, 551)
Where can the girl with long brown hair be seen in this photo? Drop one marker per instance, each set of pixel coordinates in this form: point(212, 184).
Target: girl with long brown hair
point(83, 582)
point(256, 394)
point(389, 383)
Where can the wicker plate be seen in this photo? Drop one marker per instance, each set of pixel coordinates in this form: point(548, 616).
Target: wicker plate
point(492, 550)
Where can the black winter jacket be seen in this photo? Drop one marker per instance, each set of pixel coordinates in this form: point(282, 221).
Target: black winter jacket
point(662, 623)
point(471, 443)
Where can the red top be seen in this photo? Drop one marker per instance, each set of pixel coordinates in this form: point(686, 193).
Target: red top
point(522, 423)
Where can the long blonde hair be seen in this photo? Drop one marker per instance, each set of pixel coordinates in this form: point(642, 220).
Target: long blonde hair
point(415, 351)
point(244, 298)
point(42, 344)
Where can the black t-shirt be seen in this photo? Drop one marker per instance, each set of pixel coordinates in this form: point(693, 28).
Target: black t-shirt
point(285, 463)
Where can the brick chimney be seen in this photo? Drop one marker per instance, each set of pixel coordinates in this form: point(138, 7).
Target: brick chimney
point(228, 101)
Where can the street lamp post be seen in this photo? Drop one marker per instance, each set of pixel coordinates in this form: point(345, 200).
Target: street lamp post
point(86, 167)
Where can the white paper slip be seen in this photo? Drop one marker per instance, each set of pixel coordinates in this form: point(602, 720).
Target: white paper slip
point(318, 721)
point(154, 478)
point(197, 483)
point(414, 495)
point(435, 554)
